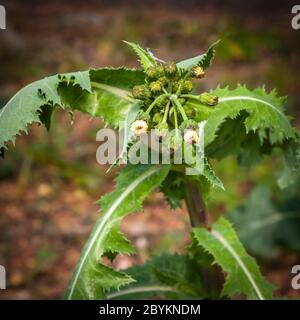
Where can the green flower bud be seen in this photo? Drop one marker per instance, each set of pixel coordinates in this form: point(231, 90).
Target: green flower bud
point(140, 92)
point(162, 101)
point(153, 73)
point(155, 87)
point(208, 99)
point(170, 69)
point(182, 101)
point(160, 70)
point(144, 116)
point(163, 81)
point(198, 72)
point(190, 112)
point(158, 117)
point(188, 124)
point(186, 86)
point(162, 130)
point(175, 142)
point(175, 86)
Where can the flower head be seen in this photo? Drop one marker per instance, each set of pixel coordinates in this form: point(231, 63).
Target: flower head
point(139, 127)
point(198, 72)
point(155, 87)
point(190, 136)
point(208, 99)
point(140, 92)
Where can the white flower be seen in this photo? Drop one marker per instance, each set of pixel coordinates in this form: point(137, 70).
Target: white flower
point(139, 127)
point(190, 136)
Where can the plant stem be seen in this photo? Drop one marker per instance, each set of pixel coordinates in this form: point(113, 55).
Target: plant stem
point(166, 112)
point(195, 205)
point(190, 96)
point(176, 121)
point(180, 108)
point(154, 103)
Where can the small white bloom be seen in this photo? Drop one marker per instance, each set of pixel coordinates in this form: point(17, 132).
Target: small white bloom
point(139, 127)
point(190, 136)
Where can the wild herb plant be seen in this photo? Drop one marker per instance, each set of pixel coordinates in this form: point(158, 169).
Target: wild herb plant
point(160, 95)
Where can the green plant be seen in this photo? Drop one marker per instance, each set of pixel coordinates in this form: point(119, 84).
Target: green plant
point(245, 123)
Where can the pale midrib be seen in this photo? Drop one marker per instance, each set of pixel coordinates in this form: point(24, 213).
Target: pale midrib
point(224, 242)
point(225, 99)
point(140, 290)
point(104, 219)
point(113, 90)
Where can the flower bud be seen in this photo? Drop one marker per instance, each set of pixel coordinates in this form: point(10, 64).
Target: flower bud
point(144, 116)
point(153, 73)
point(139, 127)
point(190, 136)
point(198, 72)
point(182, 101)
point(160, 71)
point(170, 69)
point(186, 86)
point(208, 99)
point(190, 111)
point(188, 124)
point(175, 86)
point(140, 92)
point(155, 87)
point(162, 130)
point(174, 142)
point(162, 101)
point(158, 117)
point(163, 81)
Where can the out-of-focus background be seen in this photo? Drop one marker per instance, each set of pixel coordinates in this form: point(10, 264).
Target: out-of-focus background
point(50, 181)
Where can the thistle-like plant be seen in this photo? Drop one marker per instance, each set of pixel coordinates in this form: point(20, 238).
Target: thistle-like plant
point(245, 123)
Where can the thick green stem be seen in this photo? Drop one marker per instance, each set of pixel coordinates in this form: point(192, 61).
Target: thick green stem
point(195, 205)
point(189, 96)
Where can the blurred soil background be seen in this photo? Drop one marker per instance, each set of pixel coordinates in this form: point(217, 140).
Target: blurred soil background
point(50, 181)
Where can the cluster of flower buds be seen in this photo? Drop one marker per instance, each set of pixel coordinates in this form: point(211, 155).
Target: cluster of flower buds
point(165, 97)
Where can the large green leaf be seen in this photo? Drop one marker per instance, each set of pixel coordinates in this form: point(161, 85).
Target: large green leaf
point(91, 278)
point(243, 274)
point(101, 92)
point(204, 60)
point(265, 113)
point(166, 276)
point(265, 227)
point(110, 99)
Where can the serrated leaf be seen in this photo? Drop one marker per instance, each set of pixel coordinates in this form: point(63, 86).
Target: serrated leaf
point(265, 227)
point(133, 185)
point(243, 274)
point(173, 189)
point(204, 60)
point(265, 114)
point(33, 104)
point(111, 94)
point(145, 58)
point(25, 106)
point(210, 175)
point(166, 276)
